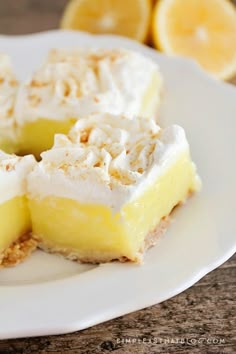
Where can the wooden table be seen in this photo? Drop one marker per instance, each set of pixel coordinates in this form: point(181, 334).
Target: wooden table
point(200, 320)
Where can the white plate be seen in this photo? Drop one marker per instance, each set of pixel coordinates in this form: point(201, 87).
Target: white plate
point(49, 295)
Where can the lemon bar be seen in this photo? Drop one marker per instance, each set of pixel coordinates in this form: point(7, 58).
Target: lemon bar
point(105, 191)
point(15, 223)
point(74, 83)
point(8, 92)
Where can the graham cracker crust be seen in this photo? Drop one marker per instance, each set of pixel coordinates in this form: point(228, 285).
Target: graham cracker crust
point(18, 251)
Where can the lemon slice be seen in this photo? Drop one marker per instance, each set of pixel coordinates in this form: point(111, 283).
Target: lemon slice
point(201, 29)
point(128, 18)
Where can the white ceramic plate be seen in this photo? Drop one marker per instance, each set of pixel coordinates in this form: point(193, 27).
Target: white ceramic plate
point(49, 295)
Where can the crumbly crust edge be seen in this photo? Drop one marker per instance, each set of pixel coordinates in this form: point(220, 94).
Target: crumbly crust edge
point(18, 251)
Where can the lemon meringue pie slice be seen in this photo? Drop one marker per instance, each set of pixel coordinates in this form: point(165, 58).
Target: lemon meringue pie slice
point(74, 83)
point(104, 191)
point(15, 223)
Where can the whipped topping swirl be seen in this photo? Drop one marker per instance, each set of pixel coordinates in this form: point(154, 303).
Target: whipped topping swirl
point(13, 172)
point(118, 150)
point(8, 92)
point(106, 159)
point(79, 82)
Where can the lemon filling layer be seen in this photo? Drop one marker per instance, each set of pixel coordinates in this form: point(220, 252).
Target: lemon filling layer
point(94, 232)
point(38, 136)
point(15, 221)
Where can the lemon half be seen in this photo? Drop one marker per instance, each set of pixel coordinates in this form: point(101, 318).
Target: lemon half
point(204, 30)
point(129, 18)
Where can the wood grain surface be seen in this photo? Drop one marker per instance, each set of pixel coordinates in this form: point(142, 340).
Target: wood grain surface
point(200, 320)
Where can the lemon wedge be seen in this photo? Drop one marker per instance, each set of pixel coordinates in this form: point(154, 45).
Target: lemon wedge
point(204, 30)
point(127, 18)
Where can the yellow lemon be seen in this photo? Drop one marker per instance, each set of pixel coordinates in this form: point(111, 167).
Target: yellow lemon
point(127, 18)
point(204, 30)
